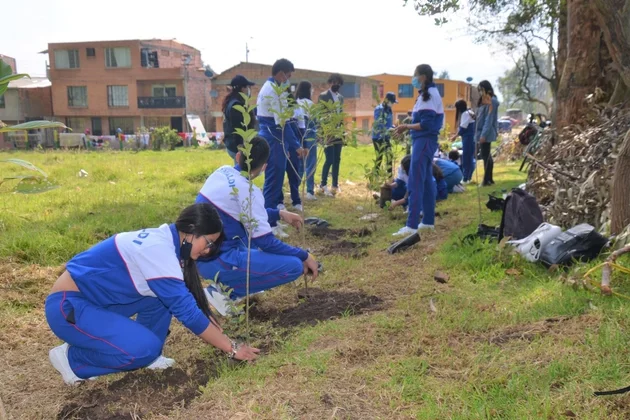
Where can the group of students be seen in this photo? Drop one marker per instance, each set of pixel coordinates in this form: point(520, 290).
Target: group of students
point(155, 273)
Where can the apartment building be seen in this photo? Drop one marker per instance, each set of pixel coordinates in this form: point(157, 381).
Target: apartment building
point(104, 86)
point(360, 93)
point(451, 91)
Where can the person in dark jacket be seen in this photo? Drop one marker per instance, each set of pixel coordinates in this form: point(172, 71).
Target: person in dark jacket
point(332, 147)
point(381, 135)
point(232, 117)
point(486, 130)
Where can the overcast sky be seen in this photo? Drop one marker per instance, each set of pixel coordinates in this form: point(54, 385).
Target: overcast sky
point(361, 37)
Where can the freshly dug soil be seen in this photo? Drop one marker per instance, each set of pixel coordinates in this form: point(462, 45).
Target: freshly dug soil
point(319, 305)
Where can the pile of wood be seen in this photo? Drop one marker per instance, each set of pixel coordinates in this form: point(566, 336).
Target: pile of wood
point(572, 176)
point(509, 150)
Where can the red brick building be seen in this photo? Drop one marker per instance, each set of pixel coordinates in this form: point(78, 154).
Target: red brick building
point(359, 92)
point(105, 85)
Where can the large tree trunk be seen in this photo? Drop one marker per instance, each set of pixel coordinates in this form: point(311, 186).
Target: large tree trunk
point(583, 64)
point(614, 19)
point(620, 200)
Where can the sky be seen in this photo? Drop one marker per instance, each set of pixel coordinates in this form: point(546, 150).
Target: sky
point(359, 37)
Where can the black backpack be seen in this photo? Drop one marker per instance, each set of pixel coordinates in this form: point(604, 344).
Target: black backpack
point(521, 215)
point(582, 243)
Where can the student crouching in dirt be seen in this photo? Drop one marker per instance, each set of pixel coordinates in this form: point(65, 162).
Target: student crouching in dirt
point(150, 273)
point(272, 262)
point(400, 195)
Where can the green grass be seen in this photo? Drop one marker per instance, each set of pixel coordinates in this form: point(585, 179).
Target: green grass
point(488, 352)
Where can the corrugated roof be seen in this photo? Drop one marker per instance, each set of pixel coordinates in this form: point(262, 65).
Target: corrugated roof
point(32, 83)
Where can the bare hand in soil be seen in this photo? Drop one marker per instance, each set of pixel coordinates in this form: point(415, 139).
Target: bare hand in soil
point(293, 219)
point(310, 267)
point(247, 353)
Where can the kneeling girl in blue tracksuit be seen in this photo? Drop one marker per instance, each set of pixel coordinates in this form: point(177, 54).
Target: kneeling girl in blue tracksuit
point(149, 273)
point(427, 120)
point(272, 262)
point(400, 195)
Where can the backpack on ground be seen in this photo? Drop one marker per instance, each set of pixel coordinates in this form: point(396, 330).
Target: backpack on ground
point(582, 243)
point(521, 215)
point(527, 134)
point(532, 246)
point(484, 232)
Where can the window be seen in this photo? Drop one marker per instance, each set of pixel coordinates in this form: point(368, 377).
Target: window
point(78, 125)
point(117, 96)
point(124, 123)
point(2, 102)
point(365, 124)
point(77, 96)
point(97, 128)
point(350, 90)
point(117, 57)
point(405, 91)
point(440, 88)
point(160, 91)
point(149, 58)
point(67, 59)
point(156, 122)
point(90, 52)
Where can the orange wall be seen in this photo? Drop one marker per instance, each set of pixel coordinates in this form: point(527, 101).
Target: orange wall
point(454, 90)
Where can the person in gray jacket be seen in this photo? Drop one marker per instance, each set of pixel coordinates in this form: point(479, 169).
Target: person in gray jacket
point(486, 130)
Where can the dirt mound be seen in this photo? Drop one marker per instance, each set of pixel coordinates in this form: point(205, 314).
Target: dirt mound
point(338, 241)
point(134, 395)
point(319, 305)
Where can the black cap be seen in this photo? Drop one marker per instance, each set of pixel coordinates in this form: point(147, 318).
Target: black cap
point(391, 97)
point(241, 81)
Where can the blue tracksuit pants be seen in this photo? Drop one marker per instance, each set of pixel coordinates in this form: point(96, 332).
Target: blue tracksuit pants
point(311, 165)
point(468, 158)
point(294, 170)
point(453, 179)
point(105, 340)
point(420, 185)
point(267, 270)
point(276, 165)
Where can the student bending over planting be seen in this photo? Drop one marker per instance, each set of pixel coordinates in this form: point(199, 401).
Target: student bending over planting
point(273, 262)
point(150, 273)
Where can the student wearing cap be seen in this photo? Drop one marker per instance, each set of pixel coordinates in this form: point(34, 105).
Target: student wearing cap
point(232, 117)
point(381, 136)
point(277, 131)
point(332, 147)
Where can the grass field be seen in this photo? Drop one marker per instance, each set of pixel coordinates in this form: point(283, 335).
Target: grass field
point(379, 338)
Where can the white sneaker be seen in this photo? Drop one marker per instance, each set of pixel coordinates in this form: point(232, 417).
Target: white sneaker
point(59, 359)
point(298, 207)
point(405, 231)
point(311, 197)
point(279, 233)
point(327, 192)
point(161, 363)
point(281, 207)
point(426, 227)
point(459, 188)
point(217, 300)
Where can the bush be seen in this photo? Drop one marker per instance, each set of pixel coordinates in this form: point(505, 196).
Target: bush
point(165, 137)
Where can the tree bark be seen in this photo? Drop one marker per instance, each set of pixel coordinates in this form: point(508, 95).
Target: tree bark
point(620, 199)
point(582, 66)
point(614, 18)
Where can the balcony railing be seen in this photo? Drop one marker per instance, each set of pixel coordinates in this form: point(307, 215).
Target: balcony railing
point(161, 102)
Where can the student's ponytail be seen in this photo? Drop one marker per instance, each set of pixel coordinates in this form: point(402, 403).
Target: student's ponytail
point(197, 220)
point(427, 71)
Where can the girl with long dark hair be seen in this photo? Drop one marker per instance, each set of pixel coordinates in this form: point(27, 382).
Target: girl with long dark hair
point(150, 273)
point(486, 131)
point(308, 133)
point(427, 121)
